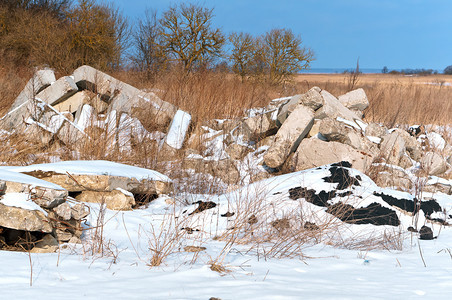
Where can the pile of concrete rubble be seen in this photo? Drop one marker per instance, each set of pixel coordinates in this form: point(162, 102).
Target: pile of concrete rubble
point(291, 134)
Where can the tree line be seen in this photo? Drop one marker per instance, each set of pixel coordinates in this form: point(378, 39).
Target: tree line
point(64, 35)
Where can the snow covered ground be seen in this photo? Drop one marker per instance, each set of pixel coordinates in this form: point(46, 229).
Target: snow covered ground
point(119, 265)
point(328, 273)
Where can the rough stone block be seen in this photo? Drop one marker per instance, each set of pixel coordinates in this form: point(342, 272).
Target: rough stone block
point(115, 200)
point(259, 127)
point(23, 219)
point(433, 163)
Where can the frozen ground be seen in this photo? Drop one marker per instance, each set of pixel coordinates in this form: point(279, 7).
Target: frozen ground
point(119, 265)
point(422, 269)
point(327, 273)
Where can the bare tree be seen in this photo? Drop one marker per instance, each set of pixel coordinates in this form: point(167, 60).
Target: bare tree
point(243, 54)
point(148, 55)
point(188, 36)
point(284, 54)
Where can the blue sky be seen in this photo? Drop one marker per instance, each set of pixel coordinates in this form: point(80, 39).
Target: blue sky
point(393, 33)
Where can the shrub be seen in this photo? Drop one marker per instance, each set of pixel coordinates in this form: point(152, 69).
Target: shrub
point(448, 70)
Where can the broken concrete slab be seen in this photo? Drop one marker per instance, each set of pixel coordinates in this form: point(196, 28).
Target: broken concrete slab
point(40, 80)
point(124, 97)
point(289, 136)
point(393, 148)
point(355, 100)
point(74, 102)
point(178, 129)
point(311, 99)
point(258, 127)
point(15, 118)
point(60, 90)
point(114, 200)
point(375, 129)
point(314, 153)
point(336, 131)
point(333, 108)
point(69, 133)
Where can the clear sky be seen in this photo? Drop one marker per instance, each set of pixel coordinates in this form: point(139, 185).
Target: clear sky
point(394, 33)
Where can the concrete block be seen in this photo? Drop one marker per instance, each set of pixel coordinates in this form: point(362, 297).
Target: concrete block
point(289, 136)
point(74, 102)
point(60, 90)
point(333, 108)
point(124, 97)
point(40, 80)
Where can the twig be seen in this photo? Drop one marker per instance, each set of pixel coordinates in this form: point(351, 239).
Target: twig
point(420, 252)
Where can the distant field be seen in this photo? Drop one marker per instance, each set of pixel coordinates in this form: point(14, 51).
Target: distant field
point(373, 78)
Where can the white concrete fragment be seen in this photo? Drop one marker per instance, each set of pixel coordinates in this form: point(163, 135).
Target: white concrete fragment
point(178, 129)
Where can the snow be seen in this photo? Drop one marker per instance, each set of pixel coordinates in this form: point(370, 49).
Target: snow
point(351, 123)
point(127, 193)
point(21, 200)
point(436, 140)
point(318, 270)
point(91, 167)
point(325, 272)
point(361, 124)
point(435, 180)
point(374, 139)
point(7, 174)
point(178, 129)
point(278, 100)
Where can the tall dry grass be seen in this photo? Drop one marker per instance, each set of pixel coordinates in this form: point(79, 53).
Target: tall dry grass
point(208, 95)
point(395, 99)
point(12, 81)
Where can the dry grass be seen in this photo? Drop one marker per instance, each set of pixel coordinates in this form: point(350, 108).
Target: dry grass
point(394, 99)
point(206, 94)
point(12, 81)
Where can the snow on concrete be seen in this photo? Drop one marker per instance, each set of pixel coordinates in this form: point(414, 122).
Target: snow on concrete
point(9, 174)
point(92, 167)
point(20, 200)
